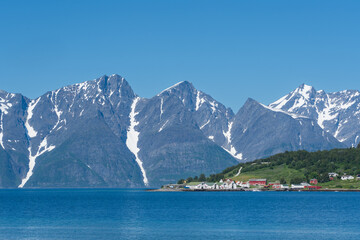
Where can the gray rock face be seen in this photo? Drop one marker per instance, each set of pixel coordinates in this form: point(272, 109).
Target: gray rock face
point(79, 135)
point(82, 136)
point(337, 113)
point(13, 141)
point(174, 129)
point(260, 131)
point(101, 134)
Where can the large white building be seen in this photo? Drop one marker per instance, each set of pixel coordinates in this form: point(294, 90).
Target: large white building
point(347, 177)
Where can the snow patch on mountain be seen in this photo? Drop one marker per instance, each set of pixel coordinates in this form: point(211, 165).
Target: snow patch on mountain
point(57, 111)
point(4, 106)
point(30, 130)
point(162, 127)
point(279, 103)
point(2, 130)
point(231, 149)
point(295, 116)
point(161, 107)
point(133, 138)
point(305, 90)
point(301, 96)
point(208, 121)
point(32, 159)
point(199, 101)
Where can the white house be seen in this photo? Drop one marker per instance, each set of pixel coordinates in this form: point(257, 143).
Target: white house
point(284, 186)
point(202, 185)
point(214, 186)
point(333, 174)
point(243, 184)
point(232, 185)
point(297, 186)
point(347, 177)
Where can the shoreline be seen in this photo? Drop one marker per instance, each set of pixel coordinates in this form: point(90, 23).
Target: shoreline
point(249, 190)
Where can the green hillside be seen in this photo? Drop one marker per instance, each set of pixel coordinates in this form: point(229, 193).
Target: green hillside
point(299, 166)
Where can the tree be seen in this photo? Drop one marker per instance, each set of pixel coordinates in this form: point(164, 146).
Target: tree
point(358, 146)
point(282, 180)
point(181, 181)
point(323, 178)
point(189, 179)
point(202, 178)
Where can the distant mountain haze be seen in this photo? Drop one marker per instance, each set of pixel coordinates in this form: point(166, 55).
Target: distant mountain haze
point(101, 134)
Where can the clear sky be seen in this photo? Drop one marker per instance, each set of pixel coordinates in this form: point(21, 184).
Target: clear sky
point(231, 50)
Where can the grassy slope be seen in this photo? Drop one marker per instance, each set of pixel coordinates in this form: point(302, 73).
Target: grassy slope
point(271, 175)
point(337, 160)
point(338, 183)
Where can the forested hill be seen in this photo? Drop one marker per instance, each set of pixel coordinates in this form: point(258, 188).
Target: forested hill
point(300, 165)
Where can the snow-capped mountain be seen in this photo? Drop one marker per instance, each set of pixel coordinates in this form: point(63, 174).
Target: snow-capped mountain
point(338, 113)
point(101, 134)
point(211, 116)
point(77, 133)
point(173, 133)
point(261, 131)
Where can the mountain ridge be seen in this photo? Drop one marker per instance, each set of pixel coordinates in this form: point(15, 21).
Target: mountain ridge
point(181, 131)
point(333, 111)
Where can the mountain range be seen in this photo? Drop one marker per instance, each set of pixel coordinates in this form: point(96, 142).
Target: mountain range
point(99, 133)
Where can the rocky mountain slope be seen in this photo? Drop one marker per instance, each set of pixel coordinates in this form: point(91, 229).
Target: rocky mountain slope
point(260, 131)
point(338, 113)
point(101, 134)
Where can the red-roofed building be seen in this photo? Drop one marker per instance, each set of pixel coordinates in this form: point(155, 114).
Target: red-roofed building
point(257, 182)
point(313, 187)
point(314, 181)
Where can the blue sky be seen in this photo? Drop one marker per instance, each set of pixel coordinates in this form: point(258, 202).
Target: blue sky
point(231, 50)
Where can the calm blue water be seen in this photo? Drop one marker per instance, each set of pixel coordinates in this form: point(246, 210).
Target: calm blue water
point(135, 214)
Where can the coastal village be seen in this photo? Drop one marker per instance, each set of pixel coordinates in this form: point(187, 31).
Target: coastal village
point(254, 185)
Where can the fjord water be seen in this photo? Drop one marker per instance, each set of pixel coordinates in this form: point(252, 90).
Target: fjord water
point(137, 214)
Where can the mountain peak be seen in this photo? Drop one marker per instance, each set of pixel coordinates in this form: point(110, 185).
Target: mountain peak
point(251, 101)
point(251, 104)
point(112, 78)
point(305, 86)
point(306, 91)
point(178, 86)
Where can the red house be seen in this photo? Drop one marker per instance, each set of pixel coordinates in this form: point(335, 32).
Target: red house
point(276, 186)
point(314, 181)
point(313, 187)
point(257, 182)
